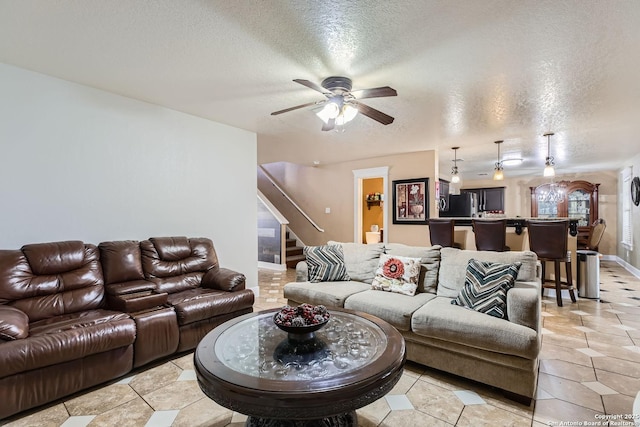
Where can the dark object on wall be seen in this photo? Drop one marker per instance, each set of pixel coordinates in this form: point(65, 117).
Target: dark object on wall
point(635, 191)
point(411, 201)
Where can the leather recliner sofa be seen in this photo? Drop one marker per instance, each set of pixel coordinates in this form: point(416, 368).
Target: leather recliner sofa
point(73, 315)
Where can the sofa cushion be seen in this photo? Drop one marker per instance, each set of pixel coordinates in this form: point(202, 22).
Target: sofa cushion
point(67, 337)
point(486, 286)
point(121, 261)
point(325, 263)
point(429, 260)
point(442, 320)
point(361, 260)
point(453, 267)
point(66, 278)
point(331, 294)
point(176, 264)
point(54, 257)
point(397, 274)
point(393, 308)
point(14, 324)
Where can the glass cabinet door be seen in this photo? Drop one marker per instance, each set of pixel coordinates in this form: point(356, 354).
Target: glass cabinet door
point(579, 207)
point(547, 209)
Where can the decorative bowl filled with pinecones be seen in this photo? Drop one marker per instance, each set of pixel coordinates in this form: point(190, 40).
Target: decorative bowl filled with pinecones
point(301, 322)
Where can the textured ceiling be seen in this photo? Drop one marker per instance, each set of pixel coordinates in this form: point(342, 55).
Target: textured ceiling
point(467, 72)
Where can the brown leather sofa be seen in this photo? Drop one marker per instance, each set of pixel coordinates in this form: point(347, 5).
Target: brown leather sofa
point(73, 315)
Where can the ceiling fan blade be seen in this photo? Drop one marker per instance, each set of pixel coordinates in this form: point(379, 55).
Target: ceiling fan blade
point(376, 92)
point(330, 125)
point(312, 85)
point(374, 114)
point(286, 110)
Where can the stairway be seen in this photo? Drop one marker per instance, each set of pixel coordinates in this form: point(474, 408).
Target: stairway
point(294, 253)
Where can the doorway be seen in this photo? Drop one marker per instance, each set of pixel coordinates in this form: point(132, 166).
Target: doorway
point(366, 215)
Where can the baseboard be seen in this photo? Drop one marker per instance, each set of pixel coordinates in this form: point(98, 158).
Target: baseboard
point(630, 268)
point(272, 266)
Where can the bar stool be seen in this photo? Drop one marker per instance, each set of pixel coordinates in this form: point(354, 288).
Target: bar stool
point(548, 239)
point(441, 232)
point(596, 231)
point(491, 234)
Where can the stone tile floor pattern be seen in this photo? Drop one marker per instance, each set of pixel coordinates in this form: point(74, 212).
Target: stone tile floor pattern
point(589, 367)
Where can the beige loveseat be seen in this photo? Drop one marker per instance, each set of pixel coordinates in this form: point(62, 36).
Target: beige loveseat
point(499, 352)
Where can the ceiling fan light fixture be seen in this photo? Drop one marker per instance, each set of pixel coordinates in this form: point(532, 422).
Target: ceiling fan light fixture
point(498, 170)
point(340, 105)
point(348, 113)
point(330, 111)
point(549, 164)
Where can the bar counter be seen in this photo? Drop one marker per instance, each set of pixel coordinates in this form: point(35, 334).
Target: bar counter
point(517, 237)
point(518, 223)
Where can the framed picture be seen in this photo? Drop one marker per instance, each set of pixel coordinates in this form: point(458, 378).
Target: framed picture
point(411, 201)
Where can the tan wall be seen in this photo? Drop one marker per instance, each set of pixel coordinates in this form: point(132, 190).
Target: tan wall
point(332, 186)
point(518, 198)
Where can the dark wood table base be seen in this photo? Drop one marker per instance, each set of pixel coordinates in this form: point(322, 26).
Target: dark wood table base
point(350, 419)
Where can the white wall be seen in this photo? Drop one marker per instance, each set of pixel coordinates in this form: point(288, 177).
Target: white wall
point(81, 163)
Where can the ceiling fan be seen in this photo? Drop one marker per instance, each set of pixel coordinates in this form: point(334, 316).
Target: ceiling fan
point(342, 105)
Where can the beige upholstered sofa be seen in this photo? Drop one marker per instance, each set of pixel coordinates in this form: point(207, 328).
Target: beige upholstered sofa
point(499, 352)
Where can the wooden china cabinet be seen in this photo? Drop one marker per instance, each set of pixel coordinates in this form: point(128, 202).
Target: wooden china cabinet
point(578, 200)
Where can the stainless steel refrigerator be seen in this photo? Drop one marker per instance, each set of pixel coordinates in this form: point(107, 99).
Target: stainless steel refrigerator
point(462, 205)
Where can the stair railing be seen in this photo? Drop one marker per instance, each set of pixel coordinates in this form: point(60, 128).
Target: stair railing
point(284, 193)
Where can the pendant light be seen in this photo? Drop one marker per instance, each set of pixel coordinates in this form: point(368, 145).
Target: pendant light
point(549, 164)
point(498, 174)
point(456, 178)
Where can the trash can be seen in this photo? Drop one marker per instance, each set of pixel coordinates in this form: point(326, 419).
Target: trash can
point(588, 274)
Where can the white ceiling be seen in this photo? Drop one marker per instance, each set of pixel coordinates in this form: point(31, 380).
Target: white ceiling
point(467, 72)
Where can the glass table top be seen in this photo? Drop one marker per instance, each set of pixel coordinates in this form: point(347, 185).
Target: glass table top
point(257, 347)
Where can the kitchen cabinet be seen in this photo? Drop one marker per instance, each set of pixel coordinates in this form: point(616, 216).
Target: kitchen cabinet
point(577, 200)
point(490, 199)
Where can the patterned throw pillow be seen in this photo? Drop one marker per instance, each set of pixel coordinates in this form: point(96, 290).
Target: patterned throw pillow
point(486, 285)
point(397, 274)
point(325, 263)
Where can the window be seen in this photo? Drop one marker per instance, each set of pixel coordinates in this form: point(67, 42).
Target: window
point(627, 232)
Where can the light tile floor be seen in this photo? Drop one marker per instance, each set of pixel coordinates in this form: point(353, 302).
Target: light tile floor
point(589, 367)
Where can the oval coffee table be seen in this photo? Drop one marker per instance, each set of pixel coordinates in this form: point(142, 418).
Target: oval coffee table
point(249, 365)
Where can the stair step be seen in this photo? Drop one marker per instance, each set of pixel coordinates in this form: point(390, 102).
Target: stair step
point(294, 260)
point(294, 250)
point(290, 242)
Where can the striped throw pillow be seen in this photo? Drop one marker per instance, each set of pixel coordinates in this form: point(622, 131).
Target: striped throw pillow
point(326, 263)
point(486, 285)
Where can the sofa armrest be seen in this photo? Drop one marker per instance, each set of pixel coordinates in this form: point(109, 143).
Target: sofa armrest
point(523, 305)
point(224, 279)
point(302, 272)
point(14, 323)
